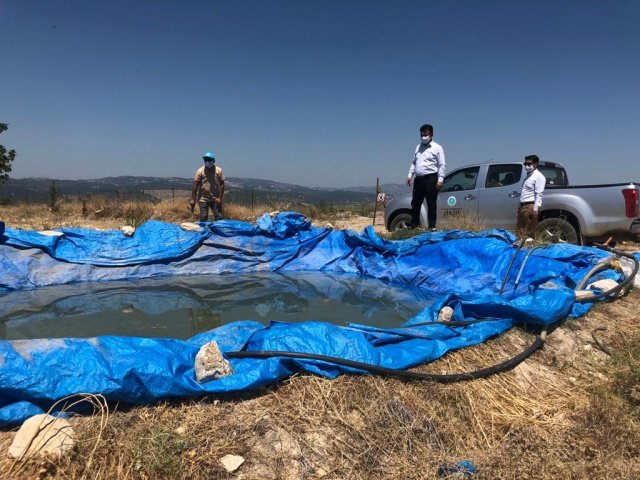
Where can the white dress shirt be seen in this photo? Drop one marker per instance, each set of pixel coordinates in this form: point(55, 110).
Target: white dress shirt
point(428, 159)
point(532, 189)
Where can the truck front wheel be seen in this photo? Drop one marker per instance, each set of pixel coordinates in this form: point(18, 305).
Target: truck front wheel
point(400, 221)
point(556, 230)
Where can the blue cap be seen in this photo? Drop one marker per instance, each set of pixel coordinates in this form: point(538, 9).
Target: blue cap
point(210, 155)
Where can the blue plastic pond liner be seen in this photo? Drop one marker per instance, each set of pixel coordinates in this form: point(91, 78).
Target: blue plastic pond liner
point(462, 269)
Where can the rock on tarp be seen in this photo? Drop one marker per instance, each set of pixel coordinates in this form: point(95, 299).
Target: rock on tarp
point(465, 270)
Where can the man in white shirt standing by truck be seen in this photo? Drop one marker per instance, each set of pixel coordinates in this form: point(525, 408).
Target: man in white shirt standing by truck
point(530, 197)
point(428, 167)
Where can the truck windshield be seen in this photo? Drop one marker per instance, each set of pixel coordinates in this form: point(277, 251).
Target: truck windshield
point(554, 175)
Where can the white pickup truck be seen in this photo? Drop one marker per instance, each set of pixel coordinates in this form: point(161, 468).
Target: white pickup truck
point(490, 192)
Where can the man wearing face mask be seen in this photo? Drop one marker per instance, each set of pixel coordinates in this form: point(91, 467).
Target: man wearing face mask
point(428, 167)
point(208, 186)
point(530, 197)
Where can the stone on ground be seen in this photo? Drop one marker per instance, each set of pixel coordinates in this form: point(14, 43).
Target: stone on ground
point(43, 435)
point(190, 227)
point(231, 462)
point(446, 314)
point(210, 364)
point(128, 230)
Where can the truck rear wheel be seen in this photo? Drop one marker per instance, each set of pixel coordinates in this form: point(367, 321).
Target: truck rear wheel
point(400, 222)
point(556, 230)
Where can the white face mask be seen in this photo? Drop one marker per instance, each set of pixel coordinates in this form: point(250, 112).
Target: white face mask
point(209, 164)
point(426, 140)
point(529, 168)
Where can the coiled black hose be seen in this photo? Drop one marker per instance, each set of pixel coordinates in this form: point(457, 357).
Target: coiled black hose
point(621, 285)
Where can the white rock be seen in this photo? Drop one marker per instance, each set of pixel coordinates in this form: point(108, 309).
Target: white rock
point(583, 294)
point(43, 435)
point(231, 462)
point(51, 233)
point(128, 231)
point(329, 226)
point(210, 364)
point(191, 227)
point(446, 314)
point(605, 284)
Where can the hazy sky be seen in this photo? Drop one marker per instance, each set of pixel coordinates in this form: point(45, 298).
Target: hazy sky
point(317, 93)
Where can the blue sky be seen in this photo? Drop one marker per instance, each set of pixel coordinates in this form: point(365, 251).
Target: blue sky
point(318, 93)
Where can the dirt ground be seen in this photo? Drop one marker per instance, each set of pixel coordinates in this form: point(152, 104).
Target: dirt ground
point(359, 223)
point(571, 411)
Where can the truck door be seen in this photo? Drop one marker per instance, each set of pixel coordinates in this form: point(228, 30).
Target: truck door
point(500, 196)
point(459, 195)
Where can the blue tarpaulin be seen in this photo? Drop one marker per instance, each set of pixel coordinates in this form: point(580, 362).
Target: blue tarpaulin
point(462, 269)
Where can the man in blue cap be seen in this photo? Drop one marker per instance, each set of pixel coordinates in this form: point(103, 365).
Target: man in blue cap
point(208, 186)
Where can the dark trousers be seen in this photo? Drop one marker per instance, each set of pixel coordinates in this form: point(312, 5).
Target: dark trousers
point(424, 187)
point(204, 210)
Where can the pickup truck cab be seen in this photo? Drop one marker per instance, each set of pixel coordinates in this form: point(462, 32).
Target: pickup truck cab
point(490, 192)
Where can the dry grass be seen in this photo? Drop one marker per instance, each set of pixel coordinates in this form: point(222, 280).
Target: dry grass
point(570, 411)
point(109, 213)
point(112, 213)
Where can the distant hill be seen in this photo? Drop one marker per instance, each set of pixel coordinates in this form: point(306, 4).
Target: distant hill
point(240, 190)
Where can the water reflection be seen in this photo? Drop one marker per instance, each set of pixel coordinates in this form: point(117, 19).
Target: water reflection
point(180, 307)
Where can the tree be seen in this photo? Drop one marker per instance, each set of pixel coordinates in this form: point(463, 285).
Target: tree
point(6, 157)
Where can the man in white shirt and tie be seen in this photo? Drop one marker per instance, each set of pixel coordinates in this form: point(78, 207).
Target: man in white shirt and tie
point(530, 197)
point(428, 167)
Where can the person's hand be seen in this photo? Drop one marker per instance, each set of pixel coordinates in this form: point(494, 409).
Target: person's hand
point(217, 200)
point(438, 185)
point(534, 214)
point(409, 181)
point(192, 205)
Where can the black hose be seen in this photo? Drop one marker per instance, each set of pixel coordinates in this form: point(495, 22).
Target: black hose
point(621, 285)
point(403, 374)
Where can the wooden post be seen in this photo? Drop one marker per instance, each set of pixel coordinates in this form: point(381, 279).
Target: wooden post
point(375, 202)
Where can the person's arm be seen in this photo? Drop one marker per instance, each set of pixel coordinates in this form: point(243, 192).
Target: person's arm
point(194, 190)
point(538, 190)
point(221, 180)
point(442, 168)
point(412, 168)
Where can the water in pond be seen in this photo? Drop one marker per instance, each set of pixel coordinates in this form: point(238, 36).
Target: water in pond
point(179, 307)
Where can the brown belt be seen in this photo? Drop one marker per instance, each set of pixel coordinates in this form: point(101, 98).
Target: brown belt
point(522, 204)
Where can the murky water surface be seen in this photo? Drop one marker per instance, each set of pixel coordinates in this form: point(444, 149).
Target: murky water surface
point(179, 307)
